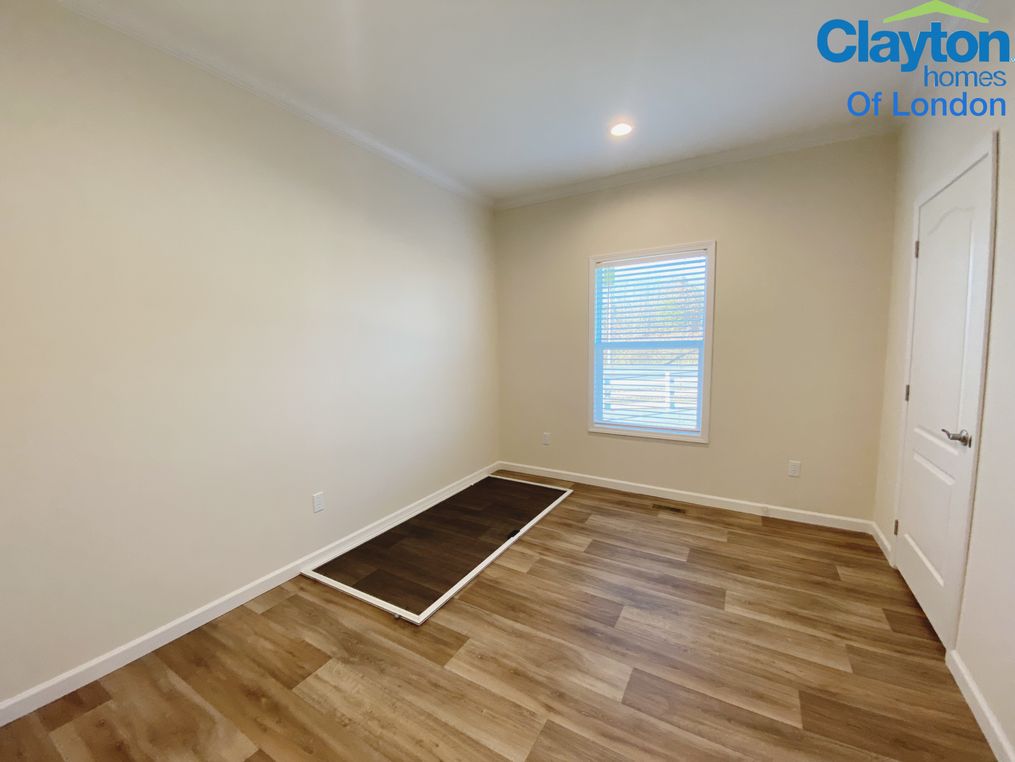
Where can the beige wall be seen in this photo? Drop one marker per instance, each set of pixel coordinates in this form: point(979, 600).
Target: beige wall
point(929, 154)
point(802, 284)
point(209, 310)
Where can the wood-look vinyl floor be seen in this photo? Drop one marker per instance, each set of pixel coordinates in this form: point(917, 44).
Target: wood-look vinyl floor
point(619, 628)
point(414, 564)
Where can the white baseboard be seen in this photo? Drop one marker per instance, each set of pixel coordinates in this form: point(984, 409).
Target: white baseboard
point(999, 741)
point(42, 694)
point(886, 545)
point(380, 526)
point(59, 686)
point(710, 501)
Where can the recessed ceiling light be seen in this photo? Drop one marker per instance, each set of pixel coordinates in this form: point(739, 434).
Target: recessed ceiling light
point(621, 129)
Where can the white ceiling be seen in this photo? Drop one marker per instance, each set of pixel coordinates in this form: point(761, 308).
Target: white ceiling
point(507, 98)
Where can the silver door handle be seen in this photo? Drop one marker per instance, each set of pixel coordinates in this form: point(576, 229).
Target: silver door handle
point(963, 437)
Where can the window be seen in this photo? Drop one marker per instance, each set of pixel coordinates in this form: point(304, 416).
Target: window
point(652, 342)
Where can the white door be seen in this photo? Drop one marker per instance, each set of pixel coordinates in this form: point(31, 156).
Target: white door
point(949, 332)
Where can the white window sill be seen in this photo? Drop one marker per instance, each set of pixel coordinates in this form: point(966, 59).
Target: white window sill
point(701, 438)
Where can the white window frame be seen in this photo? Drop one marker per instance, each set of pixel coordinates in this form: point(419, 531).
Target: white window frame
point(680, 251)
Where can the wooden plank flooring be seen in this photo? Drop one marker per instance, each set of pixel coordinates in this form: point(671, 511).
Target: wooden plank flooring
point(620, 628)
point(415, 563)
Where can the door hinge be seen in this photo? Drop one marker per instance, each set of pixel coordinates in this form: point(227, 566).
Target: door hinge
point(907, 392)
point(917, 249)
point(896, 527)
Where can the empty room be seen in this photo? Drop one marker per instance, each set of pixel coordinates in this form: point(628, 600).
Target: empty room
point(507, 380)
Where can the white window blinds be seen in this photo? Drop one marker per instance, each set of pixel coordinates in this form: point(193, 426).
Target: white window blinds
point(651, 344)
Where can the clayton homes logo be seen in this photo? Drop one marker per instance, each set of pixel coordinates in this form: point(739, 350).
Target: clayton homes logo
point(929, 55)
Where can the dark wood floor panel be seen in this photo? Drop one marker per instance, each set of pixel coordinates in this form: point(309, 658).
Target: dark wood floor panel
point(621, 628)
point(415, 563)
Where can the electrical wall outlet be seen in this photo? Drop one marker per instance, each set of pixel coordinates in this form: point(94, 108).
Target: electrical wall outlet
point(794, 469)
point(546, 438)
point(318, 502)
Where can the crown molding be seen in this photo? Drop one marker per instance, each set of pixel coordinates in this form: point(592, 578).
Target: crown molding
point(293, 106)
point(404, 160)
point(789, 144)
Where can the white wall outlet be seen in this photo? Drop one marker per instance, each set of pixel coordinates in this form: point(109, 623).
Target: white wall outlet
point(794, 469)
point(546, 438)
point(318, 502)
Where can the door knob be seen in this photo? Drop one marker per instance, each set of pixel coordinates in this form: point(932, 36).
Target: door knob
point(963, 437)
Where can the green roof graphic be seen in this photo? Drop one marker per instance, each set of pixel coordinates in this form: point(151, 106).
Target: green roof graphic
point(937, 6)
